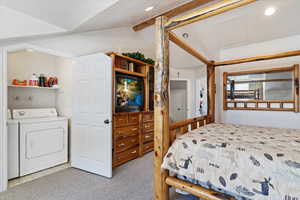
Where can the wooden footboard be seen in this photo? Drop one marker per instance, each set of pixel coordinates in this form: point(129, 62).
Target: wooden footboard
point(196, 190)
point(182, 127)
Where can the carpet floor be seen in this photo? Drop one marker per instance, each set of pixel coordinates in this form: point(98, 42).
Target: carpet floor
point(132, 181)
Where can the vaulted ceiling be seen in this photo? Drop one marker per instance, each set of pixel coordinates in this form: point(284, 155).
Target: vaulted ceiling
point(79, 15)
point(239, 27)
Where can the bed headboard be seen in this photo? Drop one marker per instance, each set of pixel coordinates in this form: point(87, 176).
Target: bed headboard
point(182, 127)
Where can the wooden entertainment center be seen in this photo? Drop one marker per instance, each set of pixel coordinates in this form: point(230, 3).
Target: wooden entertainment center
point(133, 132)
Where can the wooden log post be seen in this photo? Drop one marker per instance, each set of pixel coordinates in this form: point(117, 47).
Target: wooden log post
point(211, 89)
point(161, 109)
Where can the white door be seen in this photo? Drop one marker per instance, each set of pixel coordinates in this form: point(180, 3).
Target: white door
point(91, 134)
point(178, 100)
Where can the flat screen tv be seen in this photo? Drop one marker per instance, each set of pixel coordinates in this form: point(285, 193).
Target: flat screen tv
point(129, 93)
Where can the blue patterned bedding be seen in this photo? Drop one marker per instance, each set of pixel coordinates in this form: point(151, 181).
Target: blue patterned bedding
point(244, 161)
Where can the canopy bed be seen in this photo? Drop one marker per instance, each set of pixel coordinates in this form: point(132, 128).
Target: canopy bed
point(194, 149)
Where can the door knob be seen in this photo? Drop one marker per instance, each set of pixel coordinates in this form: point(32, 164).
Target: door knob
point(106, 121)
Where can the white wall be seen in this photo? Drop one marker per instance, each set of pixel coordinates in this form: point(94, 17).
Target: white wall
point(196, 80)
point(64, 94)
point(22, 64)
point(259, 118)
point(3, 137)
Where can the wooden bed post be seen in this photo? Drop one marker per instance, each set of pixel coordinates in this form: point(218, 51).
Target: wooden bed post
point(211, 89)
point(161, 109)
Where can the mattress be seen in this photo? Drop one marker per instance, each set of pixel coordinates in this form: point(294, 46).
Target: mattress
point(244, 161)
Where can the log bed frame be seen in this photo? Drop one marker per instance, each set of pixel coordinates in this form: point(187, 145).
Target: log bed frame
point(166, 133)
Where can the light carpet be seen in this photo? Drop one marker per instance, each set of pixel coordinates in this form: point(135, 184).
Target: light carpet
point(132, 181)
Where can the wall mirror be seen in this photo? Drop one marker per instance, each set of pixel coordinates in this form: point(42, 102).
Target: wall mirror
point(272, 89)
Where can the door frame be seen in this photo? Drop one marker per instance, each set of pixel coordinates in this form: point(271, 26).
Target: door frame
point(188, 98)
point(3, 101)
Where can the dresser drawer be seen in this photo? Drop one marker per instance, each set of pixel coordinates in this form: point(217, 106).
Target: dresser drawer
point(133, 119)
point(148, 137)
point(148, 147)
point(120, 120)
point(127, 143)
point(149, 126)
point(125, 156)
point(148, 117)
point(121, 133)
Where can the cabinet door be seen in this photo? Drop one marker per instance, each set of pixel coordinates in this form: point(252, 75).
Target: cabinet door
point(91, 143)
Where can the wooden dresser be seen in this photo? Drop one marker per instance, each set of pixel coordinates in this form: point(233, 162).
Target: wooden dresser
point(133, 136)
point(147, 132)
point(133, 132)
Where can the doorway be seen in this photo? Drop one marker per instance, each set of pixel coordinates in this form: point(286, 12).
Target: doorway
point(85, 66)
point(18, 63)
point(178, 100)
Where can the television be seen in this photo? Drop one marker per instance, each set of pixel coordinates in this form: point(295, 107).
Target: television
point(129, 93)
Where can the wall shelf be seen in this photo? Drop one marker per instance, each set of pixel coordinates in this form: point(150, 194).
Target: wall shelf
point(129, 72)
point(34, 87)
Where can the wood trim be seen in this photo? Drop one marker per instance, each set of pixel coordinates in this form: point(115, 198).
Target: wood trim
point(258, 58)
point(264, 109)
point(146, 83)
point(127, 58)
point(225, 76)
point(296, 75)
point(211, 89)
point(179, 42)
point(124, 71)
point(186, 122)
point(196, 190)
point(215, 9)
point(261, 101)
point(161, 109)
point(278, 69)
point(295, 101)
point(264, 81)
point(172, 13)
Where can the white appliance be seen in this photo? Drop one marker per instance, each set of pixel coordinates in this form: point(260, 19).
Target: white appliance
point(13, 149)
point(43, 139)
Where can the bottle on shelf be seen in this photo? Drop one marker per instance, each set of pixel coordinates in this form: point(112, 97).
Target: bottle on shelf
point(34, 80)
point(42, 80)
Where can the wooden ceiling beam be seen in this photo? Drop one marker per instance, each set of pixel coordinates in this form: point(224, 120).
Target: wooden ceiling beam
point(258, 58)
point(172, 13)
point(179, 42)
point(203, 13)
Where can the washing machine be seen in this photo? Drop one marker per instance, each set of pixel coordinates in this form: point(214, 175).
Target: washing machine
point(43, 139)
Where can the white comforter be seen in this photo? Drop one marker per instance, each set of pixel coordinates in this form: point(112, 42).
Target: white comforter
point(247, 162)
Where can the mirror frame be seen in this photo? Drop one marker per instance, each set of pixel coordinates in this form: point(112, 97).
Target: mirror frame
point(263, 105)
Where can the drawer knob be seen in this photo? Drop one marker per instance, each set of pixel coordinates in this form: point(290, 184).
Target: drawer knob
point(134, 129)
point(134, 152)
point(121, 145)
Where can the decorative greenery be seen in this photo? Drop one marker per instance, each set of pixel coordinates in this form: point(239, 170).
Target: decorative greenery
point(140, 56)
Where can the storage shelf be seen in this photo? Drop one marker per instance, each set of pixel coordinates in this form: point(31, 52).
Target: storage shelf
point(129, 72)
point(129, 58)
point(34, 87)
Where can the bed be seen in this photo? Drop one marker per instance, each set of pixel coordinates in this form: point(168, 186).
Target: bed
point(246, 162)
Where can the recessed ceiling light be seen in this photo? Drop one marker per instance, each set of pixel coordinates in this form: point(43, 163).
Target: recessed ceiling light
point(270, 11)
point(149, 8)
point(185, 35)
